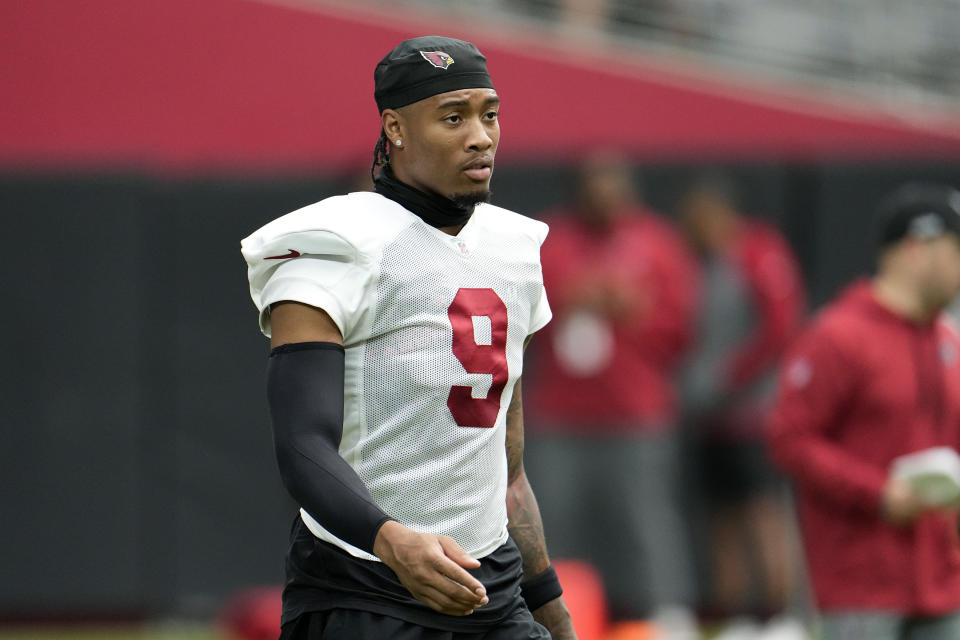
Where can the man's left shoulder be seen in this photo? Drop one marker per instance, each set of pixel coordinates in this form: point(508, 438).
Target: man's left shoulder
point(502, 221)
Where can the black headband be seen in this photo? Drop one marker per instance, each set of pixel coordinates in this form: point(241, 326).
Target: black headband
point(423, 67)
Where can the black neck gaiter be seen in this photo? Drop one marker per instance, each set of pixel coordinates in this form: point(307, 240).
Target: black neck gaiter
point(433, 209)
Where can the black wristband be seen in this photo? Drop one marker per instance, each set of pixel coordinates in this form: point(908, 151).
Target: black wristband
point(541, 588)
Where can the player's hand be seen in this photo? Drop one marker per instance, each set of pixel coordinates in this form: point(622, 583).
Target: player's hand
point(432, 568)
point(900, 504)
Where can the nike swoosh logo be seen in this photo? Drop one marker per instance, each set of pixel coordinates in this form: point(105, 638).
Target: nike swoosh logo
point(293, 254)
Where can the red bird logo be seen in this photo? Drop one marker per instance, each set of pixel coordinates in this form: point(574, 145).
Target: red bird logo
point(439, 59)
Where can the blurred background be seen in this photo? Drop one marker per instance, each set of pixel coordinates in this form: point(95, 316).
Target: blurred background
point(141, 140)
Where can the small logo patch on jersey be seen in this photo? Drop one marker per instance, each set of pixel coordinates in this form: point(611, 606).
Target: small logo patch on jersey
point(799, 373)
point(439, 59)
point(948, 353)
point(293, 254)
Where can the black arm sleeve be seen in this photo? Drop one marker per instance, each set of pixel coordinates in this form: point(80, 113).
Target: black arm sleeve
point(305, 392)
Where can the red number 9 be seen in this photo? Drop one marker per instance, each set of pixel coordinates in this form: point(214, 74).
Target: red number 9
point(490, 358)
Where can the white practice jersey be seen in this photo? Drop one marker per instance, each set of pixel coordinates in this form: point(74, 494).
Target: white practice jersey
point(433, 327)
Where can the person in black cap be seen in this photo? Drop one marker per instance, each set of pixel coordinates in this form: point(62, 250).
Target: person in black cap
point(398, 321)
point(874, 379)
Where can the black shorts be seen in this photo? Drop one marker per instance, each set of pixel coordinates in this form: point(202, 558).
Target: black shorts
point(734, 471)
point(353, 624)
point(322, 578)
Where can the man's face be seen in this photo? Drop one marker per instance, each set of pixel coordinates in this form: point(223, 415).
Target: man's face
point(705, 218)
point(449, 142)
point(943, 274)
point(605, 189)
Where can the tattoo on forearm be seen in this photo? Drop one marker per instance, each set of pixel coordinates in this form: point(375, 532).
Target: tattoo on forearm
point(515, 434)
point(525, 525)
point(526, 528)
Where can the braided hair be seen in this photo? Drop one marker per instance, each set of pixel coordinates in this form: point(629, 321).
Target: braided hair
point(381, 154)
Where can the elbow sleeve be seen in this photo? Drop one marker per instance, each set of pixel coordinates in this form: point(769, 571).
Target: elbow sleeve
point(305, 394)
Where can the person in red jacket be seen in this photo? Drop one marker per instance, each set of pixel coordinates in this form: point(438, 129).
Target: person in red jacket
point(750, 307)
point(603, 409)
point(874, 377)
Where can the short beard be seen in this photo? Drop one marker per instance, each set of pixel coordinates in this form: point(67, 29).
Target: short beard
point(470, 200)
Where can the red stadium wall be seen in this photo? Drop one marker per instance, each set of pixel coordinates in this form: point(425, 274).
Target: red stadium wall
point(225, 85)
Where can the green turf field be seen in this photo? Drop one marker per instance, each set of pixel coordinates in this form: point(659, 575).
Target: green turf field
point(111, 633)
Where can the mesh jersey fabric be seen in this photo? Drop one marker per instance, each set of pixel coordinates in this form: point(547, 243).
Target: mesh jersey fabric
point(433, 328)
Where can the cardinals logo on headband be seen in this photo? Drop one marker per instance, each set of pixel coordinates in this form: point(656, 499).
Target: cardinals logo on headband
point(439, 59)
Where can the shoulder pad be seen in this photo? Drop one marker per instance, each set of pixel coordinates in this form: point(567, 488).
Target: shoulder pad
point(337, 226)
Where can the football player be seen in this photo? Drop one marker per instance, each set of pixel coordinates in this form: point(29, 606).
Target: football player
point(398, 321)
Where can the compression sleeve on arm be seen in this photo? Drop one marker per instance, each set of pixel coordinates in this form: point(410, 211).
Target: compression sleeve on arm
point(305, 393)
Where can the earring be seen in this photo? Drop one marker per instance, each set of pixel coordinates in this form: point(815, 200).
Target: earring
point(399, 143)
